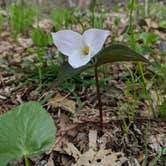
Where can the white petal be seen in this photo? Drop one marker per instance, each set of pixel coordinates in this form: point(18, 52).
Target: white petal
point(95, 39)
point(67, 41)
point(78, 59)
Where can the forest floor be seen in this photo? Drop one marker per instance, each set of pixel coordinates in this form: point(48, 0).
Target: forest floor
point(75, 109)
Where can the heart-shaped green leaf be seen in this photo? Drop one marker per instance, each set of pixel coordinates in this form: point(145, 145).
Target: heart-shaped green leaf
point(25, 130)
point(112, 53)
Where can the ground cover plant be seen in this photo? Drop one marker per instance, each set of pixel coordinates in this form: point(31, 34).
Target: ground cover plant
point(95, 70)
point(30, 131)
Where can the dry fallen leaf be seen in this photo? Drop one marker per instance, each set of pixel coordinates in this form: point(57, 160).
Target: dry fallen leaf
point(92, 139)
point(5, 47)
point(157, 142)
point(25, 42)
point(134, 162)
point(46, 25)
point(71, 150)
point(94, 157)
point(3, 12)
point(151, 24)
point(50, 161)
point(64, 127)
point(64, 103)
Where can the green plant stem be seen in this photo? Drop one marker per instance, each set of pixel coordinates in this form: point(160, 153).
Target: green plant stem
point(40, 75)
point(130, 28)
point(99, 100)
point(146, 142)
point(146, 7)
point(26, 160)
point(143, 83)
point(92, 9)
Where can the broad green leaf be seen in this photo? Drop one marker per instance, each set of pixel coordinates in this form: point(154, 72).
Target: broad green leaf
point(162, 24)
point(25, 130)
point(67, 72)
point(148, 38)
point(116, 53)
point(112, 53)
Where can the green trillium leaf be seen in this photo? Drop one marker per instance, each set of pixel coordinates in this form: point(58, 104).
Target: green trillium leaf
point(112, 53)
point(25, 130)
point(67, 71)
point(118, 52)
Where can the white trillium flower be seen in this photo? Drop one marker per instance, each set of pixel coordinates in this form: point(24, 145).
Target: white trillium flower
point(80, 48)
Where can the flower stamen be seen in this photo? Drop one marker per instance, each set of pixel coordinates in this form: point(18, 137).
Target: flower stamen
point(86, 50)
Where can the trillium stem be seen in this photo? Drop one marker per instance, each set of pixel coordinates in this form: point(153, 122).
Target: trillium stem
point(26, 160)
point(99, 99)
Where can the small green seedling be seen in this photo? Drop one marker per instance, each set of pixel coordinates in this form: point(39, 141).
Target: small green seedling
point(21, 18)
point(162, 109)
point(62, 17)
point(159, 158)
point(26, 130)
point(148, 38)
point(41, 38)
point(1, 21)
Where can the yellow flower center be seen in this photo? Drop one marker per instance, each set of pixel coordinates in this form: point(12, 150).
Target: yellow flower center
point(86, 50)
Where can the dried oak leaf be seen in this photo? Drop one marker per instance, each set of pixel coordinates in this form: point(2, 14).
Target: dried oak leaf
point(93, 157)
point(63, 102)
